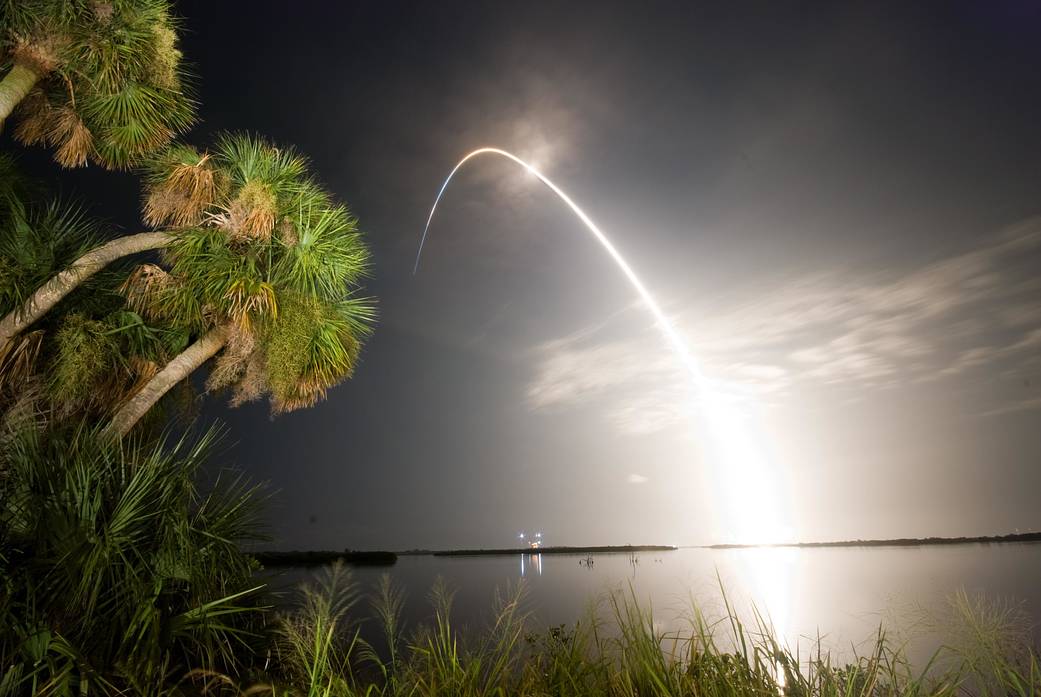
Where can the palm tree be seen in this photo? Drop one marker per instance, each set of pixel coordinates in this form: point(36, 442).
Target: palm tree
point(262, 269)
point(96, 80)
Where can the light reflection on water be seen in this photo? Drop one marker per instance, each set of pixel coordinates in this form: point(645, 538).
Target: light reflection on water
point(841, 594)
point(535, 562)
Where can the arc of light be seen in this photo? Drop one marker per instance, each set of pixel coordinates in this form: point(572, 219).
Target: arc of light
point(742, 463)
point(674, 339)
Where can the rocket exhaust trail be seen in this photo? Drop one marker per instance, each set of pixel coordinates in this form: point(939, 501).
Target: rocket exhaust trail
point(741, 463)
point(672, 336)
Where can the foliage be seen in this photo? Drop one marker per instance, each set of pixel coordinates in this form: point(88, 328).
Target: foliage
point(119, 572)
point(36, 242)
point(89, 353)
point(623, 655)
point(112, 87)
point(316, 641)
point(262, 248)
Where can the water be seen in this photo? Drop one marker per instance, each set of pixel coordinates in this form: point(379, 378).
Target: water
point(840, 594)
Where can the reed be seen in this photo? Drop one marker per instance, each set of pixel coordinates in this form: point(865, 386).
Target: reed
point(616, 650)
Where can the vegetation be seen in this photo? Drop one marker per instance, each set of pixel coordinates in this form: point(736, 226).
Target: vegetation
point(98, 80)
point(119, 573)
point(320, 650)
point(262, 272)
point(90, 354)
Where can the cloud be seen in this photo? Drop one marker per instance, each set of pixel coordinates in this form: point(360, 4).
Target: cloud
point(637, 479)
point(948, 319)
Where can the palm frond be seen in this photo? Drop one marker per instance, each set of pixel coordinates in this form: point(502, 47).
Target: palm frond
point(327, 254)
point(312, 346)
point(39, 243)
point(180, 184)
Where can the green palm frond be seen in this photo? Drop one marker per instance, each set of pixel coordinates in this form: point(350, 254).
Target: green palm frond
point(325, 254)
point(253, 158)
point(213, 275)
point(312, 346)
point(37, 243)
point(135, 120)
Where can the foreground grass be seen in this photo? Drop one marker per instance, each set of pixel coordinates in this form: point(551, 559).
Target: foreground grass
point(618, 652)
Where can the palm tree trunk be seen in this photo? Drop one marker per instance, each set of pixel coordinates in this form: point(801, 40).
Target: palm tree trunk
point(176, 370)
point(13, 88)
point(51, 292)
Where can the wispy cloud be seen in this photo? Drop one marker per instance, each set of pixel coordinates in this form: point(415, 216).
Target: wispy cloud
point(948, 319)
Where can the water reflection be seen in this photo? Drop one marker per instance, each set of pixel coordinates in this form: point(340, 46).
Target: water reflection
point(768, 575)
point(534, 561)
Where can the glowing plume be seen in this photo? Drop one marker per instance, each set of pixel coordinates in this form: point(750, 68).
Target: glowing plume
point(740, 461)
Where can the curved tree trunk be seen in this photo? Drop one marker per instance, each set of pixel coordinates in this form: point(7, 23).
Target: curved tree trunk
point(13, 88)
point(176, 370)
point(48, 295)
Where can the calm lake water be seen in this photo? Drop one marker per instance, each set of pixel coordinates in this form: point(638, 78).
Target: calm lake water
point(842, 595)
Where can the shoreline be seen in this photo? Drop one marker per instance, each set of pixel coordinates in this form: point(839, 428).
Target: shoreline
point(318, 557)
point(601, 549)
point(1013, 538)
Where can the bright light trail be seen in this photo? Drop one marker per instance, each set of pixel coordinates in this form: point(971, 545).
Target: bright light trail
point(666, 327)
point(740, 462)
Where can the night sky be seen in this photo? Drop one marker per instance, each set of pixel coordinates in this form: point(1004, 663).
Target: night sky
point(835, 203)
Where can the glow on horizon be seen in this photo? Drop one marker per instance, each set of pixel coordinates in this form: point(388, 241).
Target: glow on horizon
point(752, 512)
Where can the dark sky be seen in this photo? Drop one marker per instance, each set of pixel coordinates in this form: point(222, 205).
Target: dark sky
point(834, 202)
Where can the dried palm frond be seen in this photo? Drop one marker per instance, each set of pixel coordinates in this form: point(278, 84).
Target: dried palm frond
point(252, 213)
point(74, 140)
point(144, 369)
point(143, 286)
point(27, 411)
point(287, 232)
point(253, 384)
point(18, 360)
point(231, 365)
point(121, 386)
point(35, 118)
point(40, 53)
point(102, 11)
point(303, 395)
point(247, 299)
point(182, 196)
